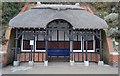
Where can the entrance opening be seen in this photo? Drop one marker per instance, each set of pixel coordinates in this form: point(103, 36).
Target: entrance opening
point(58, 43)
point(58, 51)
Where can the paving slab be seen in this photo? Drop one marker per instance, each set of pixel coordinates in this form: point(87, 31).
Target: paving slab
point(60, 68)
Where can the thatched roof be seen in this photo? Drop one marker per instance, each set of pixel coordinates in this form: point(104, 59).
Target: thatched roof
point(39, 17)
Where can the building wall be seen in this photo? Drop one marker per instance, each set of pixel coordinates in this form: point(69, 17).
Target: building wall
point(110, 55)
point(11, 47)
point(40, 57)
point(93, 57)
point(37, 57)
point(10, 36)
point(105, 47)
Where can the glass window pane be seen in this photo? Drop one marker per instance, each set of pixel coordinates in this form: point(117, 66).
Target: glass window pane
point(54, 36)
point(89, 45)
point(40, 45)
point(40, 38)
point(75, 39)
point(67, 36)
point(79, 38)
point(26, 45)
point(61, 35)
point(28, 36)
point(77, 45)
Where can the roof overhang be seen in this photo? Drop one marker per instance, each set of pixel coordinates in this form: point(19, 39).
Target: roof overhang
point(39, 17)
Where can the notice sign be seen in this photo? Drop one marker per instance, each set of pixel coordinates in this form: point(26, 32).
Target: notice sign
point(31, 42)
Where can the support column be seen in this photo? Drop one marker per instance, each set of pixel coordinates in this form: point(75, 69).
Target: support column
point(32, 43)
point(46, 48)
point(82, 48)
point(101, 51)
point(31, 62)
point(31, 53)
point(16, 62)
point(71, 50)
point(86, 62)
point(94, 45)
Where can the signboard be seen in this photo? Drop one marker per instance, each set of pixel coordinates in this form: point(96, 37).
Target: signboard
point(31, 42)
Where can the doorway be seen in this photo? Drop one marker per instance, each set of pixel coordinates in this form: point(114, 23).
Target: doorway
point(59, 41)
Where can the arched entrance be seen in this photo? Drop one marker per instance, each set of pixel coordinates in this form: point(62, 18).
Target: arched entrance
point(59, 31)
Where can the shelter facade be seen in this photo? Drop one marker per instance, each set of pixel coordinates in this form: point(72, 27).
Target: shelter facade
point(62, 31)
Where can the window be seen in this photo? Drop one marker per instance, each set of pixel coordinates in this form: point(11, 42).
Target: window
point(91, 44)
point(67, 36)
point(77, 43)
point(79, 40)
point(39, 43)
point(54, 36)
point(61, 35)
point(25, 46)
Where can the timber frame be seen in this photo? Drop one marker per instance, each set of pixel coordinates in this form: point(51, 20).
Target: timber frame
point(44, 32)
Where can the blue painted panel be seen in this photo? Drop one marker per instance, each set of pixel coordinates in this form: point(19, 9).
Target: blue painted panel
point(58, 52)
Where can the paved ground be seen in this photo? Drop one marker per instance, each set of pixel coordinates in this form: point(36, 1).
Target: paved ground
point(60, 68)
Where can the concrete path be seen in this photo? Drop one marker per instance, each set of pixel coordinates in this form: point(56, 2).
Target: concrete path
point(60, 68)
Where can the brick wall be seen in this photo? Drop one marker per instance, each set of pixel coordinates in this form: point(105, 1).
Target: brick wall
point(9, 36)
point(38, 57)
point(110, 55)
point(91, 57)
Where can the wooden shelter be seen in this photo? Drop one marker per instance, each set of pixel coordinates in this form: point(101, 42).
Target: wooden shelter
point(67, 31)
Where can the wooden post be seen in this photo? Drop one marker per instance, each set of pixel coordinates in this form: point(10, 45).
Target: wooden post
point(86, 45)
point(71, 49)
point(46, 44)
point(71, 44)
point(101, 53)
point(82, 48)
point(31, 53)
point(16, 44)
